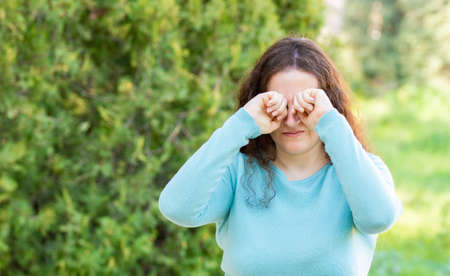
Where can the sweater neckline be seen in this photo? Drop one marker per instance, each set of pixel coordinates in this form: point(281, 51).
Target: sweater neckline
point(300, 181)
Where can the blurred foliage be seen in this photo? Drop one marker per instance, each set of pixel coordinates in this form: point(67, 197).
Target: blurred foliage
point(410, 131)
point(101, 102)
point(388, 44)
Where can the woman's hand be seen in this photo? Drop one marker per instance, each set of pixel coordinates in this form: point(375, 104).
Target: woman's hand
point(311, 104)
point(267, 109)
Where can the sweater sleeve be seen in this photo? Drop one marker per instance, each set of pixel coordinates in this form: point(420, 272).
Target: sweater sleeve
point(365, 179)
point(201, 191)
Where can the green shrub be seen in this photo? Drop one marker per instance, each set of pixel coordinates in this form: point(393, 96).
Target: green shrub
point(101, 102)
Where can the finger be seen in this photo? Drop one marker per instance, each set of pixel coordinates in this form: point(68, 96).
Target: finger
point(316, 92)
point(279, 107)
point(282, 115)
point(308, 96)
point(269, 96)
point(297, 105)
point(302, 101)
point(308, 100)
point(304, 114)
point(272, 107)
point(277, 103)
point(271, 99)
point(266, 99)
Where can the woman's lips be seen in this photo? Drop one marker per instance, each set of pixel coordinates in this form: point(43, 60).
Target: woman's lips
point(293, 134)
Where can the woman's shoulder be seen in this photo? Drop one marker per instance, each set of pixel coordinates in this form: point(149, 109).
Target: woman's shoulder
point(240, 163)
point(237, 162)
point(376, 159)
point(242, 160)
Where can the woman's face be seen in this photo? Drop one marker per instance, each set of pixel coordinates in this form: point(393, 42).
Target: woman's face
point(289, 83)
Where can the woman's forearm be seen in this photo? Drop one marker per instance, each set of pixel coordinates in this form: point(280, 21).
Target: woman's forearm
point(365, 179)
point(185, 200)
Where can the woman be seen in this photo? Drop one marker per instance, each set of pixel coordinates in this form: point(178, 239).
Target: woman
point(287, 179)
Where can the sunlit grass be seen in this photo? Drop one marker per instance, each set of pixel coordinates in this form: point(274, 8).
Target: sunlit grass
point(410, 130)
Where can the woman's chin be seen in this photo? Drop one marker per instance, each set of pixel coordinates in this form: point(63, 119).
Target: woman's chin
point(295, 148)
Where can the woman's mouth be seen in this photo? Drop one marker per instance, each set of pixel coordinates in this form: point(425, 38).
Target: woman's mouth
point(293, 134)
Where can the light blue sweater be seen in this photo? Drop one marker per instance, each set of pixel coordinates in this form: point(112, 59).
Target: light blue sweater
point(326, 224)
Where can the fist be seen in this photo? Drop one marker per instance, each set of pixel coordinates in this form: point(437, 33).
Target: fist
point(311, 104)
point(267, 109)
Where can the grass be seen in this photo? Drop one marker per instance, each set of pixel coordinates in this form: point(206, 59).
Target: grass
point(410, 131)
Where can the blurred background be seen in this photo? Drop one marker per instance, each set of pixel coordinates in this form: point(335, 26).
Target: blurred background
point(101, 102)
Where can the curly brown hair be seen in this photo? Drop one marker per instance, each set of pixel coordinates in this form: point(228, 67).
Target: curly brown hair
point(291, 52)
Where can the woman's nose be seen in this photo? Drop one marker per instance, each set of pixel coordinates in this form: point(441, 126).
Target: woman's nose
point(291, 119)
